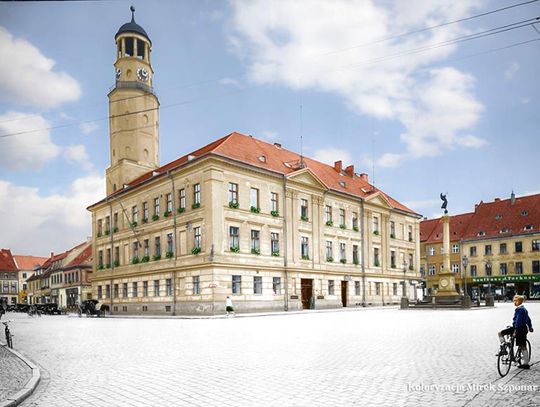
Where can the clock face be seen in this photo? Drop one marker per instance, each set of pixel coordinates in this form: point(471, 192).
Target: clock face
point(142, 74)
point(444, 282)
point(118, 73)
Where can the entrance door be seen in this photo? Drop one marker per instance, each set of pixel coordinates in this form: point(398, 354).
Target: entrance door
point(306, 286)
point(344, 293)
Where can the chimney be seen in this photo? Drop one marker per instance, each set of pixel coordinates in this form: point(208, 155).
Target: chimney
point(52, 254)
point(278, 145)
point(497, 199)
point(512, 198)
point(338, 165)
point(364, 177)
point(350, 171)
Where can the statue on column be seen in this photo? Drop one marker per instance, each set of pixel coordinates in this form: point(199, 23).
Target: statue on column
point(445, 203)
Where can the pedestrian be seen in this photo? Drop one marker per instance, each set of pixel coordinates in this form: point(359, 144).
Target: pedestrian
point(229, 306)
point(521, 324)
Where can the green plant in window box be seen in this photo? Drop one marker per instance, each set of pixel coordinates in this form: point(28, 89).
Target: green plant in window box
point(167, 214)
point(115, 229)
point(411, 268)
point(144, 220)
point(169, 255)
point(145, 259)
point(99, 234)
point(234, 249)
point(255, 251)
point(196, 205)
point(376, 263)
point(156, 257)
point(330, 259)
point(343, 261)
point(410, 239)
point(234, 205)
point(306, 257)
point(356, 262)
point(275, 254)
point(329, 223)
point(355, 228)
point(107, 232)
point(376, 232)
point(304, 218)
point(275, 214)
point(134, 224)
point(196, 250)
point(116, 263)
point(155, 217)
point(108, 265)
point(135, 260)
point(100, 267)
point(254, 209)
point(392, 236)
point(343, 226)
point(181, 210)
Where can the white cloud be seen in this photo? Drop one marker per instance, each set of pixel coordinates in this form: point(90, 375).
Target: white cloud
point(29, 79)
point(36, 224)
point(269, 135)
point(525, 100)
point(76, 154)
point(321, 44)
point(28, 150)
point(331, 155)
point(511, 70)
point(230, 82)
point(88, 127)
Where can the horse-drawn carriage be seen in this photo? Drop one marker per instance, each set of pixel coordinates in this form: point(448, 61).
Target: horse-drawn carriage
point(93, 307)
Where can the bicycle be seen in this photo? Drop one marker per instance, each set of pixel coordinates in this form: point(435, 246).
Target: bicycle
point(510, 353)
point(9, 336)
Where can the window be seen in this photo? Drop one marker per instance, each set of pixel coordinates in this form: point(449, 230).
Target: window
point(182, 199)
point(156, 288)
point(257, 285)
point(145, 289)
point(236, 284)
point(233, 193)
point(169, 243)
point(234, 239)
point(375, 225)
point(108, 258)
point(376, 261)
point(342, 253)
point(503, 249)
point(115, 220)
point(331, 290)
point(108, 224)
point(145, 211)
point(473, 271)
point(255, 242)
point(392, 229)
point(432, 270)
point(124, 290)
point(342, 217)
point(146, 247)
point(328, 213)
point(100, 292)
point(168, 286)
point(157, 246)
point(487, 250)
point(274, 243)
point(393, 259)
point(197, 237)
point(134, 289)
point(276, 285)
point(196, 285)
point(134, 214)
point(519, 247)
point(156, 206)
point(304, 247)
point(100, 227)
point(455, 268)
point(355, 254)
point(100, 257)
point(304, 209)
point(519, 267)
point(377, 288)
point(472, 251)
point(274, 207)
point(410, 234)
point(536, 266)
point(488, 269)
point(432, 251)
point(455, 248)
point(135, 250)
point(411, 261)
point(117, 256)
point(254, 198)
point(107, 291)
point(535, 245)
point(357, 288)
point(329, 251)
point(169, 202)
point(197, 194)
point(503, 269)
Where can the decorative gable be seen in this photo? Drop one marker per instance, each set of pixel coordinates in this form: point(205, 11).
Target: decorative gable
point(378, 199)
point(306, 177)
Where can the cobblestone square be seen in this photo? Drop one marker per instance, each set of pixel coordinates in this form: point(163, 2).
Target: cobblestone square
point(380, 356)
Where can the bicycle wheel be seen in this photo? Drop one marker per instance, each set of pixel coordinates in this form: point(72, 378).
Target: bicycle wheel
point(519, 355)
point(504, 362)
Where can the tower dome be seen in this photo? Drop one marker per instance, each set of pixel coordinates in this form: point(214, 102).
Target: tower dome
point(132, 27)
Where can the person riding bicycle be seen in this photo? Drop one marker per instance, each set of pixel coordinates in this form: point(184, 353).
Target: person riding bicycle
point(521, 324)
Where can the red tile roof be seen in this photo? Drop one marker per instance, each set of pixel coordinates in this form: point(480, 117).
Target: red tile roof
point(28, 262)
point(83, 258)
point(6, 261)
point(272, 157)
point(431, 231)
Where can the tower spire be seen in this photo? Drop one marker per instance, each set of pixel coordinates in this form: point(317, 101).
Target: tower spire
point(132, 14)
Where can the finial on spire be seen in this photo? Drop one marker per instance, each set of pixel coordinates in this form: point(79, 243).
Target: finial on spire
point(132, 14)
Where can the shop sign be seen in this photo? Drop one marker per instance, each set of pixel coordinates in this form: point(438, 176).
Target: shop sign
point(506, 279)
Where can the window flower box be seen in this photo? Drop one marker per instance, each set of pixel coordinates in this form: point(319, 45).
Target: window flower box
point(196, 250)
point(343, 226)
point(99, 234)
point(156, 257)
point(356, 262)
point(115, 229)
point(392, 236)
point(181, 210)
point(254, 209)
point(169, 255)
point(376, 263)
point(100, 267)
point(155, 217)
point(196, 205)
point(234, 249)
point(329, 223)
point(145, 259)
point(376, 232)
point(135, 260)
point(355, 228)
point(116, 263)
point(304, 218)
point(329, 259)
point(234, 205)
point(275, 214)
point(167, 214)
point(107, 232)
point(134, 224)
point(343, 261)
point(255, 251)
point(306, 257)
point(275, 254)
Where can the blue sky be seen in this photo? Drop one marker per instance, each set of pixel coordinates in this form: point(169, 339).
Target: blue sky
point(461, 119)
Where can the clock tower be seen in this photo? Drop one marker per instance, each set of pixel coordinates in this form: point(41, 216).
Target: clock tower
point(133, 109)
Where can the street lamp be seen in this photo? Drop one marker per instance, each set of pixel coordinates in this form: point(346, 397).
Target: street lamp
point(466, 298)
point(489, 297)
point(404, 299)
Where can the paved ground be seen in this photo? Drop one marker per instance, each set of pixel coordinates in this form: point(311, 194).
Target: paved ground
point(378, 356)
point(14, 373)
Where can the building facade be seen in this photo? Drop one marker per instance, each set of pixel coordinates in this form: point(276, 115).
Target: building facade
point(26, 265)
point(501, 243)
point(239, 217)
point(9, 281)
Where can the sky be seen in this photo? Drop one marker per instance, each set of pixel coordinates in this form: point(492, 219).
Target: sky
point(421, 103)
